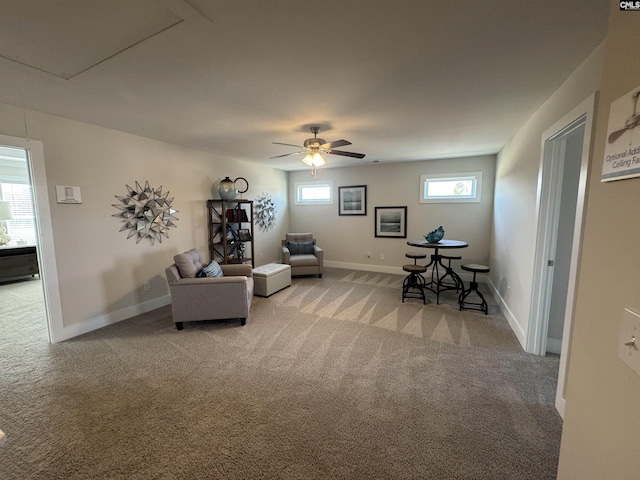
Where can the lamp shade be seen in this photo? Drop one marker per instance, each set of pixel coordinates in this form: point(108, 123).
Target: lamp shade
point(314, 160)
point(318, 161)
point(308, 159)
point(5, 211)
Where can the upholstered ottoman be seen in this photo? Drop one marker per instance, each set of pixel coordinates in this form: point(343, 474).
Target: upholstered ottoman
point(270, 278)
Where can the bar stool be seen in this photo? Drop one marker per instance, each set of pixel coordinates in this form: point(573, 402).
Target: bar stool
point(416, 256)
point(453, 282)
point(473, 287)
point(414, 284)
point(415, 280)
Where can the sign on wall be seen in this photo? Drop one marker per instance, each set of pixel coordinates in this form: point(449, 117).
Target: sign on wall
point(68, 194)
point(622, 150)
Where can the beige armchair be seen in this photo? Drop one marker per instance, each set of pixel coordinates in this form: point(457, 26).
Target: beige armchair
point(301, 252)
point(210, 298)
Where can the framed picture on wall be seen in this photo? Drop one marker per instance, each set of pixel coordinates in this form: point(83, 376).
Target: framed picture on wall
point(244, 235)
point(352, 200)
point(391, 222)
point(68, 194)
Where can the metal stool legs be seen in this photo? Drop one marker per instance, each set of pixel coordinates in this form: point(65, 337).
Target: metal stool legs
point(450, 280)
point(464, 303)
point(414, 284)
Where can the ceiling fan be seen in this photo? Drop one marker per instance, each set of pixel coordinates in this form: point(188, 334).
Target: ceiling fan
point(313, 147)
point(631, 122)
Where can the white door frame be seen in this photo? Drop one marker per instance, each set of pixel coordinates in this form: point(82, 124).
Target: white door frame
point(46, 249)
point(549, 179)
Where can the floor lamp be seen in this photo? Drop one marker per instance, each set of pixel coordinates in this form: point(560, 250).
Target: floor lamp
point(5, 214)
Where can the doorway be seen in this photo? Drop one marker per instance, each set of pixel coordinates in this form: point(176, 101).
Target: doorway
point(32, 152)
point(562, 185)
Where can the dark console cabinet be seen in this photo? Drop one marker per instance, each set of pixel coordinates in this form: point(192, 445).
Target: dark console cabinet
point(18, 262)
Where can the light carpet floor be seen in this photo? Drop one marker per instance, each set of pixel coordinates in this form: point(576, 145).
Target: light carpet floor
point(332, 378)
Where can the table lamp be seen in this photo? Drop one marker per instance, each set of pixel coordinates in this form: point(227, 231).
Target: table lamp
point(5, 214)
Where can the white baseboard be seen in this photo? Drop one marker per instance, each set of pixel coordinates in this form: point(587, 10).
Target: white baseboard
point(365, 267)
point(105, 319)
point(554, 345)
point(466, 277)
point(513, 322)
point(561, 405)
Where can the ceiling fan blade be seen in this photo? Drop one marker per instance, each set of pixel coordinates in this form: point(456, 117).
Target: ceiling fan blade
point(287, 154)
point(287, 144)
point(346, 154)
point(337, 143)
point(615, 135)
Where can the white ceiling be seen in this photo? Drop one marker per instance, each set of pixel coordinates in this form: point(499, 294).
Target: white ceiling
point(402, 80)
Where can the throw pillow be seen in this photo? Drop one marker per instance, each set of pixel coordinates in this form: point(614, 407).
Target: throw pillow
point(211, 270)
point(300, 248)
point(188, 263)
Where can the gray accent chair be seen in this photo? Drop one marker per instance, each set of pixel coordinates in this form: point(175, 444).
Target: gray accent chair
point(308, 263)
point(210, 298)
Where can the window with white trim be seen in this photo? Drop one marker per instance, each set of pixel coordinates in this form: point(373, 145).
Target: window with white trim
point(15, 188)
point(22, 227)
point(314, 193)
point(451, 188)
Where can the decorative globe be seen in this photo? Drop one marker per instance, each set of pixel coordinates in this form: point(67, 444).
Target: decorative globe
point(434, 236)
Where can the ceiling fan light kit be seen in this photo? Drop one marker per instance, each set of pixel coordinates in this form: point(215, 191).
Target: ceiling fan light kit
point(313, 147)
point(314, 160)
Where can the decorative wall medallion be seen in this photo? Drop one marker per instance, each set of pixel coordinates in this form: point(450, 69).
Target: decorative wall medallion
point(146, 213)
point(265, 212)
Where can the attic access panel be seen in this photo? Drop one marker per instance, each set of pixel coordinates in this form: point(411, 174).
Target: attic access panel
point(67, 37)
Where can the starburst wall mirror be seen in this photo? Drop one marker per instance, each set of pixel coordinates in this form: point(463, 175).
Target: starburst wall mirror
point(146, 213)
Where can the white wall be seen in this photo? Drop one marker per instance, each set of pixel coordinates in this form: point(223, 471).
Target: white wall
point(347, 239)
point(515, 208)
point(601, 435)
point(101, 272)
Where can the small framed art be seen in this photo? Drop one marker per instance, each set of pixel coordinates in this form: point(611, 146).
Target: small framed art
point(244, 235)
point(68, 194)
point(352, 200)
point(391, 222)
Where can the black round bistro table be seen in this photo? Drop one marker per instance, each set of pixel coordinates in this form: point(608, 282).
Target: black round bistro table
point(437, 284)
